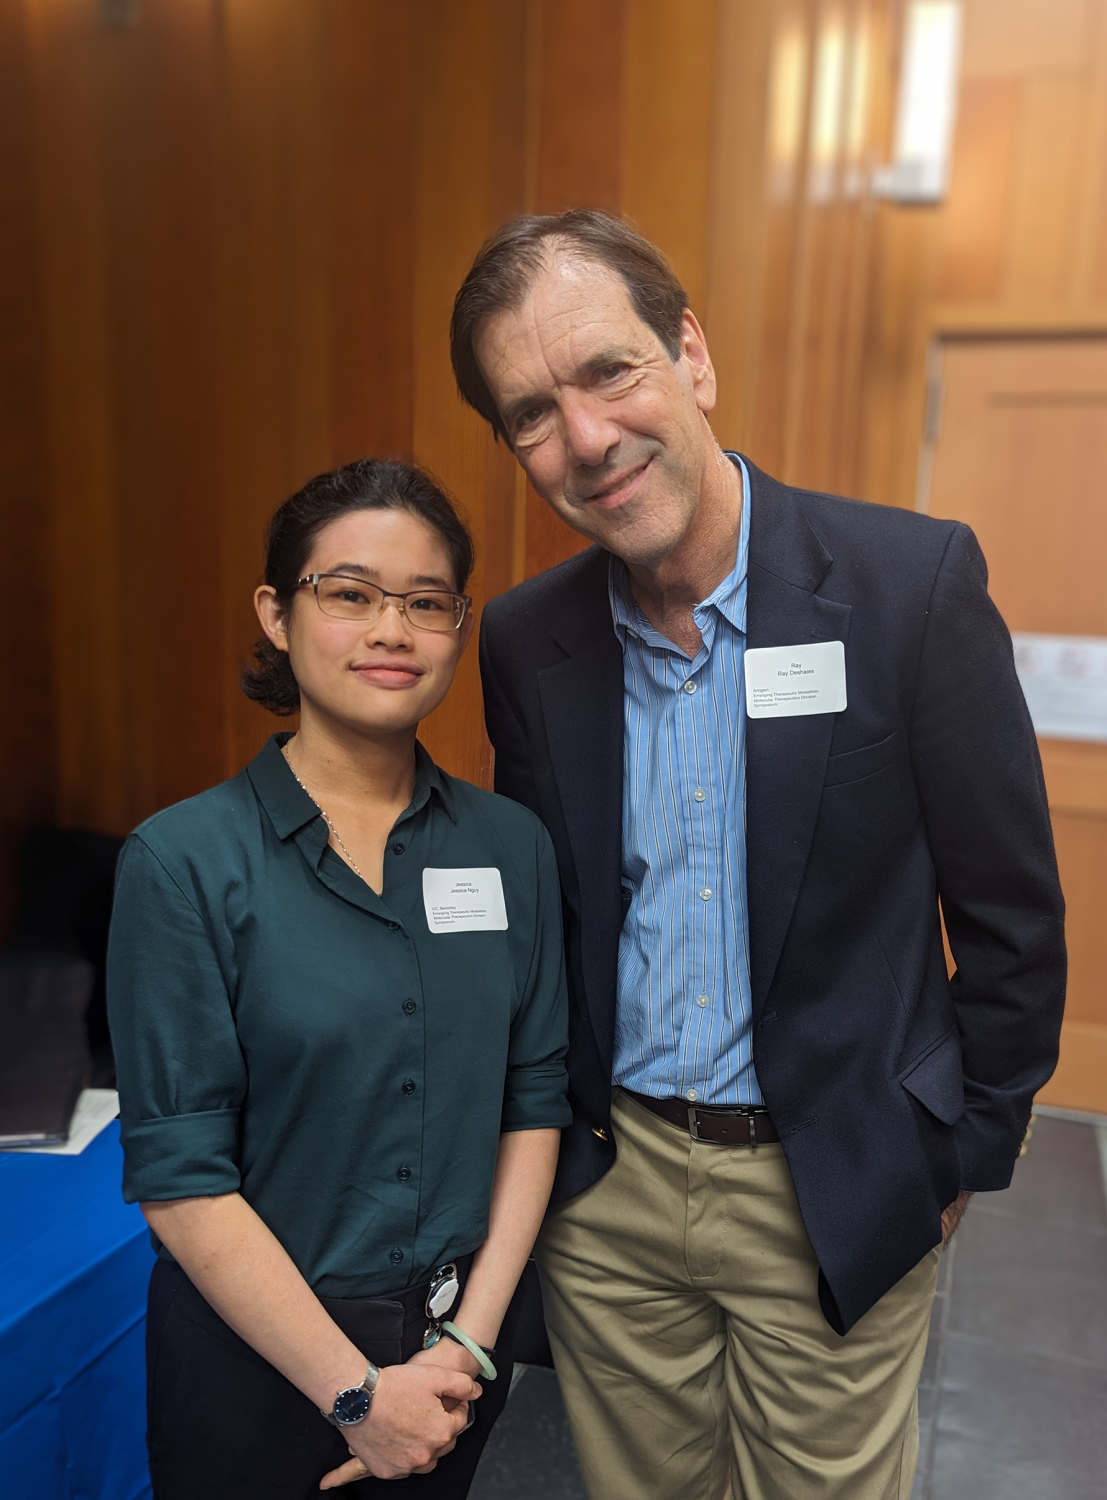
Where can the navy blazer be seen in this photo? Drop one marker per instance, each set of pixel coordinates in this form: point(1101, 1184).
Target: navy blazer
point(892, 1086)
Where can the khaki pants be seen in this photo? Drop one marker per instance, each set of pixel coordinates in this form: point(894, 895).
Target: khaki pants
point(681, 1299)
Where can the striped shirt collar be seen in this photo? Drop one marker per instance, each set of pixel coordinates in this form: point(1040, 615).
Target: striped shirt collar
point(728, 598)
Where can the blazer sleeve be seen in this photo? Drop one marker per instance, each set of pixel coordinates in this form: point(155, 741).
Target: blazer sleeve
point(513, 776)
point(977, 767)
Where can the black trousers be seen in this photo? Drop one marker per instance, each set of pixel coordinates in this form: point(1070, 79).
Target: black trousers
point(223, 1424)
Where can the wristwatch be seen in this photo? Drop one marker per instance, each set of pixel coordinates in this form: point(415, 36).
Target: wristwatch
point(351, 1406)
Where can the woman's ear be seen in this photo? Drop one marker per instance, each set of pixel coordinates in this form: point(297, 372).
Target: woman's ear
point(274, 619)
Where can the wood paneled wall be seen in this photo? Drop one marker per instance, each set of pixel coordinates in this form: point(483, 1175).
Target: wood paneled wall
point(230, 236)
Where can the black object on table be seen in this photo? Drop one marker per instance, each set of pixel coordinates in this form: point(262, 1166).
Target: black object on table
point(66, 883)
point(44, 1055)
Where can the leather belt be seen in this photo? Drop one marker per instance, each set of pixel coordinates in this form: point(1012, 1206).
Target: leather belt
point(742, 1125)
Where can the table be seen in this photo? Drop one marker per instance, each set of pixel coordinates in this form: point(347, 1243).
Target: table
point(74, 1264)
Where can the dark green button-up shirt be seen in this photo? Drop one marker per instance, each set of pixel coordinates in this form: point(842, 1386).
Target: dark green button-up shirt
point(282, 1031)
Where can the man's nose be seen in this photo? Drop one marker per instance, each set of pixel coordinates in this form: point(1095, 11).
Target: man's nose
point(590, 434)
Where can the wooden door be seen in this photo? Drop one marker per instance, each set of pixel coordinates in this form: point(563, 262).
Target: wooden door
point(1020, 454)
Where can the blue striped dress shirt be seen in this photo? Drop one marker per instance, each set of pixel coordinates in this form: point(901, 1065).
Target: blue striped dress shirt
point(683, 1012)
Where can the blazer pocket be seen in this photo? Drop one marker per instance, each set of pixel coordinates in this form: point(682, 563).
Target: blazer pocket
point(936, 1079)
point(855, 765)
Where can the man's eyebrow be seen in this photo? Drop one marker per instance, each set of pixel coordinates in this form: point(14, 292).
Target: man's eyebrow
point(590, 366)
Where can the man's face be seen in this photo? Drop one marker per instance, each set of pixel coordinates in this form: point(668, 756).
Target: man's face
point(609, 429)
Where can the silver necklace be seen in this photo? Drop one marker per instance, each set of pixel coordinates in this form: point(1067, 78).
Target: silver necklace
point(324, 815)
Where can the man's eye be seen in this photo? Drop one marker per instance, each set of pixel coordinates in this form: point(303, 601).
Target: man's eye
point(612, 372)
point(528, 418)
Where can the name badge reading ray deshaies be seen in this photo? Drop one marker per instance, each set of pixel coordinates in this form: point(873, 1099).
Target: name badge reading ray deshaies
point(783, 681)
point(466, 900)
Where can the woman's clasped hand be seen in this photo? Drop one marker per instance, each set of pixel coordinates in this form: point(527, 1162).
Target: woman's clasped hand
point(419, 1410)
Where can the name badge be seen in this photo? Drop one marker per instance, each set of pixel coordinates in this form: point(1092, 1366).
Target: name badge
point(465, 900)
point(783, 681)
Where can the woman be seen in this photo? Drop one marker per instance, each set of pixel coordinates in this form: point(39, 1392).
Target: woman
point(338, 1009)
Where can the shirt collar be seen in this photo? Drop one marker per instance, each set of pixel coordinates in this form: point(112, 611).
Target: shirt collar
point(289, 806)
point(729, 598)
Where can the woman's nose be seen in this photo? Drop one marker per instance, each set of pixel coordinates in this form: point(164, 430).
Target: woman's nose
point(390, 624)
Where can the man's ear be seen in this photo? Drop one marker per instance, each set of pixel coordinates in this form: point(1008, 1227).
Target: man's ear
point(697, 360)
point(274, 619)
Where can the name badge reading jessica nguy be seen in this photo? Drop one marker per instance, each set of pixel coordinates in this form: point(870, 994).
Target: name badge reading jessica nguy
point(464, 900)
point(782, 681)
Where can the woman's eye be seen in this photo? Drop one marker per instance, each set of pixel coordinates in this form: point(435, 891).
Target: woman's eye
point(351, 596)
point(427, 605)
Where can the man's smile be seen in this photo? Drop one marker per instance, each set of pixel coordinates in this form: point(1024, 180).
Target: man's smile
point(620, 489)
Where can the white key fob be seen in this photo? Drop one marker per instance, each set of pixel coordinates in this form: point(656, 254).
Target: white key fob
point(442, 1298)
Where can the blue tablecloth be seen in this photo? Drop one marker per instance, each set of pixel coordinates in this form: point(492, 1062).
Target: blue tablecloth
point(74, 1264)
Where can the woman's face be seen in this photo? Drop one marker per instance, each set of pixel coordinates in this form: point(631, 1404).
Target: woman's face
point(379, 676)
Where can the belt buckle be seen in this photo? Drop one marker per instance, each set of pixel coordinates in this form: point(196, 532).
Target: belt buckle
point(739, 1113)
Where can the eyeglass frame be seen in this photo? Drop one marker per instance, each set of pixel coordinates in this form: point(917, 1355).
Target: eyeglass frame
point(313, 580)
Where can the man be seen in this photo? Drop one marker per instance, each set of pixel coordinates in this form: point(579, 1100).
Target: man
point(768, 730)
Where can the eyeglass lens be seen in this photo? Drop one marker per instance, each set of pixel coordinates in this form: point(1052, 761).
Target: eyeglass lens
point(351, 599)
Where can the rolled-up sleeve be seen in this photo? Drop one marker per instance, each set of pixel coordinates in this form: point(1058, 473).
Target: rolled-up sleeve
point(536, 1083)
point(182, 1076)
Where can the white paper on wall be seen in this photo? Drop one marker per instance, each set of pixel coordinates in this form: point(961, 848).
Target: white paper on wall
point(1064, 678)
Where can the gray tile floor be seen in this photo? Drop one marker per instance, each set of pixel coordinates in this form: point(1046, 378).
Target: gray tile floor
point(1013, 1398)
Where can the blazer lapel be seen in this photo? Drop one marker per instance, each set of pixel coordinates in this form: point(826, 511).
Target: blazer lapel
point(785, 758)
point(582, 705)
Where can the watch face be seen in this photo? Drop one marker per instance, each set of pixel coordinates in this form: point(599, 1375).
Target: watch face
point(352, 1405)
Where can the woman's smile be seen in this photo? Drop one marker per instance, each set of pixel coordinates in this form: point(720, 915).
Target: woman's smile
point(388, 671)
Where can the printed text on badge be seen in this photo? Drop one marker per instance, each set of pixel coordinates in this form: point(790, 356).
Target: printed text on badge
point(782, 681)
point(465, 900)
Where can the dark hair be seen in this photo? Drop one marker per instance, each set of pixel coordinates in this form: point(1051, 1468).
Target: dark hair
point(512, 257)
point(368, 484)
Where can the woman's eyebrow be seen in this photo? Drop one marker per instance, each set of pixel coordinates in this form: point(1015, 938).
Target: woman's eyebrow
point(430, 580)
point(415, 580)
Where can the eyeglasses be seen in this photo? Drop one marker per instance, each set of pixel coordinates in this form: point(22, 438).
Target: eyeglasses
point(345, 598)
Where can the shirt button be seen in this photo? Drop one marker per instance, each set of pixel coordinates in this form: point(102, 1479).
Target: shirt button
point(410, 1007)
point(404, 1174)
point(689, 686)
point(395, 1256)
point(699, 794)
point(702, 1000)
point(706, 893)
point(398, 848)
point(692, 1095)
point(408, 1086)
point(393, 926)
